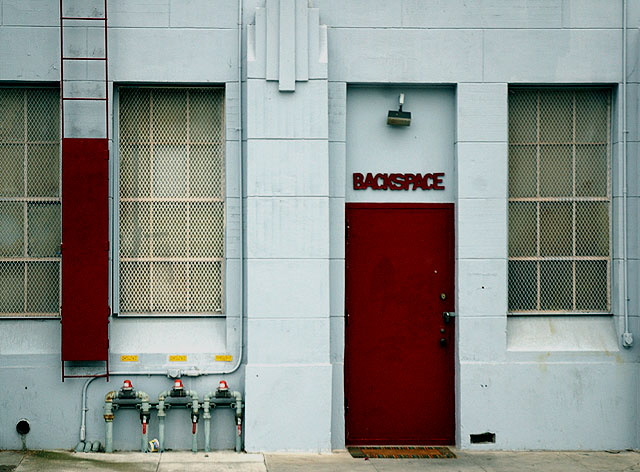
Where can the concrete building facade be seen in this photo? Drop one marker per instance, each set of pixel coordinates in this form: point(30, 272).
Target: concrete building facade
point(245, 139)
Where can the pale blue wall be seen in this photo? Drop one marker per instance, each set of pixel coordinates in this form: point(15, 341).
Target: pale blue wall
point(571, 386)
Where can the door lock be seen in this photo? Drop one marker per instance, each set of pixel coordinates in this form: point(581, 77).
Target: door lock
point(443, 296)
point(447, 315)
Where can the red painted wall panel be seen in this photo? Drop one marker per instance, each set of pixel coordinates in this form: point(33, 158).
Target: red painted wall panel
point(85, 249)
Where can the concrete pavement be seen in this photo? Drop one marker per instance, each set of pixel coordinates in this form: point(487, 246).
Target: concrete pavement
point(226, 461)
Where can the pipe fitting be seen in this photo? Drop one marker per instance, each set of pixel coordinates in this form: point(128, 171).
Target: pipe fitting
point(110, 396)
point(223, 396)
point(108, 409)
point(130, 396)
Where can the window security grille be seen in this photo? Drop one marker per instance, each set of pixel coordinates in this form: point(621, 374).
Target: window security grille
point(30, 202)
point(559, 200)
point(171, 201)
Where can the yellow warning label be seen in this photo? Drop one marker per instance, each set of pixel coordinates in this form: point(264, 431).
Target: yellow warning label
point(177, 358)
point(128, 358)
point(224, 358)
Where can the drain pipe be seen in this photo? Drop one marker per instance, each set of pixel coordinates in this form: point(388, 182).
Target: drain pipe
point(239, 355)
point(627, 336)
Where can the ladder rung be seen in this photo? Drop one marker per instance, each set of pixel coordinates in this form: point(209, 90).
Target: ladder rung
point(83, 98)
point(83, 18)
point(84, 58)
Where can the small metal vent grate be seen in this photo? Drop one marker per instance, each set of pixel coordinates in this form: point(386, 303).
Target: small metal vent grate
point(172, 210)
point(30, 204)
point(559, 200)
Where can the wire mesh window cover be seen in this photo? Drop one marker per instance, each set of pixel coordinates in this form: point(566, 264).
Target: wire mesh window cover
point(559, 200)
point(30, 204)
point(171, 201)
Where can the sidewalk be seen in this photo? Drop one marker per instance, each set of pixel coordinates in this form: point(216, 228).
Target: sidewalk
point(223, 461)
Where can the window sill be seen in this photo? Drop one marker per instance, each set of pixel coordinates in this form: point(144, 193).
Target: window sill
point(578, 332)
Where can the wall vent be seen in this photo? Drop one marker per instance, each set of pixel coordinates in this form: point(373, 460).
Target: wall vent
point(482, 438)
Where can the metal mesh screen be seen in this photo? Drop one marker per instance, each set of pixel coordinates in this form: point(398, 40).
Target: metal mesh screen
point(559, 200)
point(172, 212)
point(30, 205)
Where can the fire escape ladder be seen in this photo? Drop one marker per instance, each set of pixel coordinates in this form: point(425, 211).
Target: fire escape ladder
point(84, 109)
point(79, 79)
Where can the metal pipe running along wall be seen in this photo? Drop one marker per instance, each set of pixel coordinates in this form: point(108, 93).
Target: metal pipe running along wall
point(178, 396)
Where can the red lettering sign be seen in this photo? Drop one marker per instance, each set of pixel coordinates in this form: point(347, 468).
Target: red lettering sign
point(397, 181)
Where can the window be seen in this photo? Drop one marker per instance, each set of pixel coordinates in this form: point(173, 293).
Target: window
point(559, 200)
point(30, 203)
point(171, 201)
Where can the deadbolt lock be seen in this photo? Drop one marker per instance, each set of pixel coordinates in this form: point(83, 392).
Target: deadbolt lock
point(443, 296)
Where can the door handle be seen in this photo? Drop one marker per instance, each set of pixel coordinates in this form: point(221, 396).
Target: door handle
point(447, 315)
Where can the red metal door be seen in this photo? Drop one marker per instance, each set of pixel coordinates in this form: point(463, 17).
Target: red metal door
point(399, 348)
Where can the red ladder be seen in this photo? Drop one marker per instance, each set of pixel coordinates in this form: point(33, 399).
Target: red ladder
point(65, 22)
point(85, 217)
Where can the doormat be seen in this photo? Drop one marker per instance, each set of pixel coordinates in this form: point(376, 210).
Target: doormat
point(401, 452)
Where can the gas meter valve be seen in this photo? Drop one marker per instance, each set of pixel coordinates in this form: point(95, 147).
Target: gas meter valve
point(223, 390)
point(127, 391)
point(178, 389)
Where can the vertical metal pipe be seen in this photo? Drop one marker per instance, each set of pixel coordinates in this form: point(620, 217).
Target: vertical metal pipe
point(161, 433)
point(194, 437)
point(627, 337)
point(194, 419)
point(207, 434)
point(161, 415)
point(83, 421)
point(145, 408)
point(108, 418)
point(238, 397)
point(239, 426)
point(108, 437)
point(206, 406)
